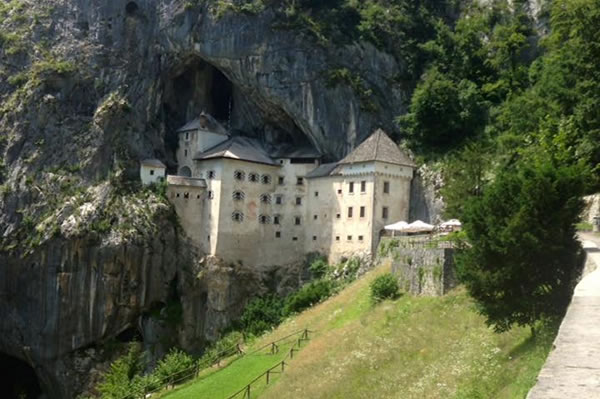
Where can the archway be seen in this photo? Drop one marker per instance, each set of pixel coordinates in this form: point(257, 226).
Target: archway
point(18, 380)
point(185, 171)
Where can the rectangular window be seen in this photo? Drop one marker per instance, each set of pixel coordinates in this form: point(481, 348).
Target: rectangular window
point(299, 181)
point(280, 181)
point(384, 212)
point(351, 187)
point(386, 187)
point(185, 153)
point(275, 219)
point(360, 238)
point(362, 211)
point(278, 200)
point(340, 191)
point(314, 238)
point(337, 238)
point(349, 238)
point(151, 172)
point(298, 200)
point(187, 137)
point(338, 215)
point(315, 217)
point(278, 234)
point(294, 238)
point(297, 221)
point(316, 193)
point(363, 186)
point(349, 212)
point(208, 238)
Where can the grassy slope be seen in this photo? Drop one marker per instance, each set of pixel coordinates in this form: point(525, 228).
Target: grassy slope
point(415, 347)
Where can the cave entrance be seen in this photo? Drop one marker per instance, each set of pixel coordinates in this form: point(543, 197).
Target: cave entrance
point(221, 96)
point(18, 380)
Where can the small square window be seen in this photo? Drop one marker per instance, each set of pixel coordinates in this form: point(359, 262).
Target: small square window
point(278, 234)
point(315, 217)
point(185, 153)
point(208, 238)
point(297, 221)
point(314, 238)
point(280, 180)
point(340, 191)
point(384, 212)
point(177, 195)
point(338, 215)
point(210, 174)
point(362, 211)
point(299, 181)
point(187, 136)
point(363, 186)
point(294, 238)
point(211, 194)
point(151, 172)
point(275, 219)
point(351, 187)
point(386, 187)
point(349, 238)
point(278, 200)
point(316, 193)
point(298, 200)
point(360, 238)
point(350, 212)
point(198, 196)
point(337, 238)
point(186, 195)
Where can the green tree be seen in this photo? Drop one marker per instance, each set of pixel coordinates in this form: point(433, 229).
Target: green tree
point(522, 254)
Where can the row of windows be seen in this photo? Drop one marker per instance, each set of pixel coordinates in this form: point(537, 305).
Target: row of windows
point(264, 198)
point(264, 179)
point(238, 216)
point(186, 195)
point(314, 238)
point(363, 187)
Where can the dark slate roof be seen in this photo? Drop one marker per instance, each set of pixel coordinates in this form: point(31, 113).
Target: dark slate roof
point(295, 152)
point(204, 122)
point(325, 169)
point(378, 147)
point(185, 181)
point(153, 163)
point(239, 147)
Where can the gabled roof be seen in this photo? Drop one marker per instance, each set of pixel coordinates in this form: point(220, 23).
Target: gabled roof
point(239, 147)
point(378, 147)
point(153, 163)
point(325, 169)
point(204, 122)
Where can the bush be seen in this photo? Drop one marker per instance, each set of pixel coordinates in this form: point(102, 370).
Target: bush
point(176, 362)
point(318, 268)
point(308, 295)
point(384, 287)
point(261, 314)
point(118, 381)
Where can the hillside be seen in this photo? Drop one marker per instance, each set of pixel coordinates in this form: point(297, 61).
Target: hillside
point(414, 347)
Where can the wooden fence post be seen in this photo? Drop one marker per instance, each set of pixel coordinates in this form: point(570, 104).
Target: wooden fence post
point(248, 391)
point(282, 365)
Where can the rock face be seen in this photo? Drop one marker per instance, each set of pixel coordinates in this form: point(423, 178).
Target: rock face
point(94, 86)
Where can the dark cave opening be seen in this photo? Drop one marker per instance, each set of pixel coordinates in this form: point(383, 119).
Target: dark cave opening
point(221, 96)
point(131, 8)
point(17, 379)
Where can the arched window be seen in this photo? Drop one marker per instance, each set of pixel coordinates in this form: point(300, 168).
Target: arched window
point(253, 177)
point(264, 219)
point(239, 175)
point(238, 195)
point(265, 179)
point(210, 174)
point(265, 198)
point(185, 171)
point(237, 216)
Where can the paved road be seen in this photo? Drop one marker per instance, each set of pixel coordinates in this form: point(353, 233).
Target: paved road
point(572, 370)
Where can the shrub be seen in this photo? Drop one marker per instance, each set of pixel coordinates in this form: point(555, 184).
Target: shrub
point(318, 268)
point(261, 314)
point(308, 295)
point(173, 366)
point(384, 287)
point(118, 381)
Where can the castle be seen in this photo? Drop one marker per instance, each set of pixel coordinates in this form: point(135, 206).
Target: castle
point(241, 203)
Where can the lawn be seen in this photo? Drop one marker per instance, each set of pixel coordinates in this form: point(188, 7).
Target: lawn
point(413, 347)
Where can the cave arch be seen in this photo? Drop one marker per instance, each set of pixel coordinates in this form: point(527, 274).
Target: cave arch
point(131, 8)
point(18, 379)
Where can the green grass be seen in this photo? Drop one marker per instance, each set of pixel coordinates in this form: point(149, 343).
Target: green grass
point(413, 347)
point(226, 381)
